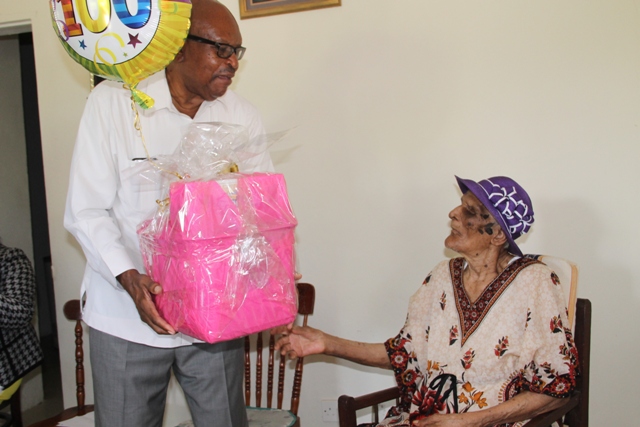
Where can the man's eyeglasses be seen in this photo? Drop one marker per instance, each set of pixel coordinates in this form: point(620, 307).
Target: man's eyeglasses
point(223, 50)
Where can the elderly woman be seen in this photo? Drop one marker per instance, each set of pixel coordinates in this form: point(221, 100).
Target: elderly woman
point(485, 341)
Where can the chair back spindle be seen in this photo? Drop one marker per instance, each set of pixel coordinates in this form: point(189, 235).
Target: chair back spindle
point(259, 371)
point(247, 370)
point(306, 300)
point(73, 311)
point(281, 368)
point(272, 347)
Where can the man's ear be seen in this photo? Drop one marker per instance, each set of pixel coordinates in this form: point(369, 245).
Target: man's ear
point(499, 238)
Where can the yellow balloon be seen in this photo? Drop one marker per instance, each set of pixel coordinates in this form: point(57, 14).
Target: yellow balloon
point(121, 40)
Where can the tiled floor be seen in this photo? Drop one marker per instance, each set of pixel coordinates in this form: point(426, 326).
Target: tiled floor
point(51, 405)
point(51, 382)
point(48, 408)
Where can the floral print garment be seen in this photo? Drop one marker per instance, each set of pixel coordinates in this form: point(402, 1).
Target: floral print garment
point(454, 355)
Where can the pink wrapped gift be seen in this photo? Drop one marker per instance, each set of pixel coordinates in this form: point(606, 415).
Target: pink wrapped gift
point(223, 251)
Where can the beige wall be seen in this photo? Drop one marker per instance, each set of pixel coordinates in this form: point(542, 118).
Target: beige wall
point(389, 100)
point(15, 214)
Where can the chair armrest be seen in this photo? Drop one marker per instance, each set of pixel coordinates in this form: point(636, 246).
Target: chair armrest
point(546, 419)
point(348, 405)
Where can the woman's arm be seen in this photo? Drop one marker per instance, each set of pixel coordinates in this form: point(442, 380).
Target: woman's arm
point(523, 406)
point(304, 341)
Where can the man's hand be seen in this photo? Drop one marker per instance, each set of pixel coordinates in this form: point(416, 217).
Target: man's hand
point(298, 341)
point(140, 287)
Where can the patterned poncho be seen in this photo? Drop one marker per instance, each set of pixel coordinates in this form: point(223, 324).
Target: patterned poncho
point(455, 356)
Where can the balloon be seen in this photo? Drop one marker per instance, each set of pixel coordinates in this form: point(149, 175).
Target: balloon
point(123, 40)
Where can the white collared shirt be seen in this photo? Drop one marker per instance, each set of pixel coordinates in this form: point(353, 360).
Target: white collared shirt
point(111, 193)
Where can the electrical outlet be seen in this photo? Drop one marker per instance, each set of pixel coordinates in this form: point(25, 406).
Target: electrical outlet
point(329, 411)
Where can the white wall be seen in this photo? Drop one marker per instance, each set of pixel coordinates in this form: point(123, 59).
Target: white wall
point(389, 101)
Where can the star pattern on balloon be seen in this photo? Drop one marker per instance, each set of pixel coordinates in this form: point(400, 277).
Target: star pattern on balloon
point(82, 45)
point(133, 40)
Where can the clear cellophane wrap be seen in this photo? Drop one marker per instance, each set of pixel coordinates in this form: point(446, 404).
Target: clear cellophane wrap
point(221, 243)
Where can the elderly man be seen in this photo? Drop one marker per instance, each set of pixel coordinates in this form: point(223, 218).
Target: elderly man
point(133, 349)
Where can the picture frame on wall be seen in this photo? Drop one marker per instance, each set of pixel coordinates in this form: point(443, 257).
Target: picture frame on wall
point(256, 8)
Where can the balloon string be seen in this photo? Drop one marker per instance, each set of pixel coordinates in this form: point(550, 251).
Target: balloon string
point(138, 127)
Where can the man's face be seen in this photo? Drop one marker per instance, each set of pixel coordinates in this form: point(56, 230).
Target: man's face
point(205, 74)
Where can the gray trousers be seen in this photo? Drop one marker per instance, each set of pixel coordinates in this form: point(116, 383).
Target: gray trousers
point(130, 382)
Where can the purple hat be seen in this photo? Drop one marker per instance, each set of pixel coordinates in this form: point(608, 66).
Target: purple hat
point(507, 202)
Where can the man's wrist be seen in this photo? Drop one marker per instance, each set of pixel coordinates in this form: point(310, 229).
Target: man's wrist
point(125, 277)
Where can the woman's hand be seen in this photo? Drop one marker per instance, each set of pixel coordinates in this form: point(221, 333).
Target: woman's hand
point(303, 341)
point(296, 341)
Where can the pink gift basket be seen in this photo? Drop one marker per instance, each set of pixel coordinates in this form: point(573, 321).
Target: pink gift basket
point(223, 251)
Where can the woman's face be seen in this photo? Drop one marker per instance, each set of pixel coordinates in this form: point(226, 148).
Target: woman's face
point(472, 227)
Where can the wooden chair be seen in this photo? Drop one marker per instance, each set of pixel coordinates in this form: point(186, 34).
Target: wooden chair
point(269, 414)
point(306, 301)
point(72, 311)
point(14, 417)
point(574, 412)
